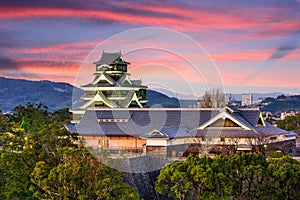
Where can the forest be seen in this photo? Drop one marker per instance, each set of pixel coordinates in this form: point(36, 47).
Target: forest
point(41, 160)
point(240, 176)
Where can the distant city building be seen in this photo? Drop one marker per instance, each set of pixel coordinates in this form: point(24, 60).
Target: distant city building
point(268, 114)
point(283, 115)
point(247, 99)
point(233, 102)
point(258, 101)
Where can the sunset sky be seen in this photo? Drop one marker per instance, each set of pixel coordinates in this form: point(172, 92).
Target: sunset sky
point(254, 45)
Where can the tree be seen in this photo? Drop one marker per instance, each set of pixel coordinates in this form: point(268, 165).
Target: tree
point(79, 176)
point(214, 98)
point(290, 123)
point(283, 178)
point(195, 178)
point(41, 161)
point(32, 117)
point(61, 115)
point(175, 180)
point(240, 176)
point(246, 172)
point(22, 150)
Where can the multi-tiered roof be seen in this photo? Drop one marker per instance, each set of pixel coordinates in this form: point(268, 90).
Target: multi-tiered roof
point(111, 87)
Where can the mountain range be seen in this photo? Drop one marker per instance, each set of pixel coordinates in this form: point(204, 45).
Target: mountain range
point(58, 95)
point(15, 92)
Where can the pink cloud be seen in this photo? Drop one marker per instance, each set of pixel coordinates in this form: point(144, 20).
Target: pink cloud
point(188, 18)
point(87, 45)
point(255, 24)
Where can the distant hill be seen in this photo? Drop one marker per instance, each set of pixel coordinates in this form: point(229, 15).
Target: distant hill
point(157, 99)
point(282, 105)
point(180, 96)
point(54, 95)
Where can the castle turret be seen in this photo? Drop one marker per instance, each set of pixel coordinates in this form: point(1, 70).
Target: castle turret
point(111, 87)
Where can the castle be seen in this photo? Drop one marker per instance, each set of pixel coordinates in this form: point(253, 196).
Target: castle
point(114, 116)
point(111, 87)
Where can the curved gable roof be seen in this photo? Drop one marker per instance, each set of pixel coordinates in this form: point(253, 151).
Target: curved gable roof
point(109, 58)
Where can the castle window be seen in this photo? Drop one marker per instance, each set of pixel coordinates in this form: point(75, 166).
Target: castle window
point(112, 120)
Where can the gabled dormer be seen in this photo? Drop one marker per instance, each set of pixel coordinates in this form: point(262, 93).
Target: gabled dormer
point(225, 119)
point(260, 120)
point(155, 135)
point(103, 78)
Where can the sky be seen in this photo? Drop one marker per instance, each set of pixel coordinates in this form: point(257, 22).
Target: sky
point(182, 46)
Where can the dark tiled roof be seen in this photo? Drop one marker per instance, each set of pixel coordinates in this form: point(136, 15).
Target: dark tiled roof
point(291, 133)
point(89, 125)
point(250, 115)
point(136, 82)
point(241, 119)
point(71, 127)
point(113, 114)
point(180, 132)
point(270, 130)
point(141, 121)
point(176, 123)
point(109, 58)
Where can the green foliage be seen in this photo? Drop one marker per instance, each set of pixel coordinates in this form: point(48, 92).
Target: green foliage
point(241, 176)
point(32, 117)
point(61, 115)
point(40, 160)
point(290, 123)
point(283, 178)
point(79, 175)
point(175, 181)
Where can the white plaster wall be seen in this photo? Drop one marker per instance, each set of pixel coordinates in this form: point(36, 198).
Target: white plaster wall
point(156, 142)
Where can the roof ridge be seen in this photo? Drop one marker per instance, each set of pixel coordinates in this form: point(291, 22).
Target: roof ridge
point(115, 52)
point(254, 108)
point(154, 109)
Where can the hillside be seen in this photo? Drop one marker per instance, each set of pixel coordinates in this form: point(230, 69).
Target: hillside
point(14, 92)
point(281, 106)
point(157, 99)
point(55, 95)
